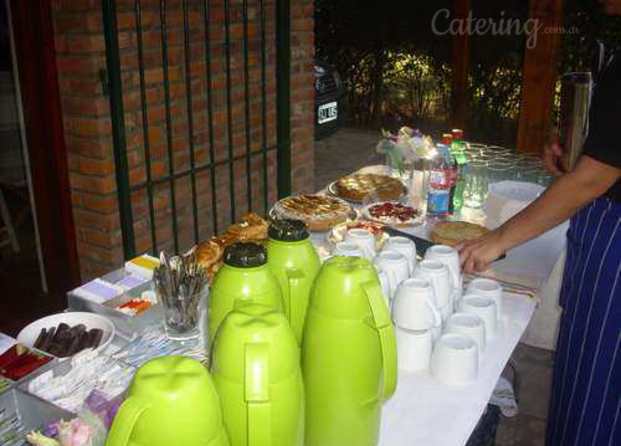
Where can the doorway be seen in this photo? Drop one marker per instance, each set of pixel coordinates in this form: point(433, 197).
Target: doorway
point(38, 264)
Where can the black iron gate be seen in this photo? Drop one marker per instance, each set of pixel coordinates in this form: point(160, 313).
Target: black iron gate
point(199, 96)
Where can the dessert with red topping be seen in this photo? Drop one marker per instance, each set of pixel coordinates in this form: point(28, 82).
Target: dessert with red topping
point(392, 213)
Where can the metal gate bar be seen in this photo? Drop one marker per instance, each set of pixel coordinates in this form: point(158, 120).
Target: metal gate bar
point(247, 106)
point(264, 105)
point(145, 122)
point(174, 172)
point(229, 111)
point(283, 96)
point(117, 119)
point(188, 99)
point(212, 154)
point(169, 141)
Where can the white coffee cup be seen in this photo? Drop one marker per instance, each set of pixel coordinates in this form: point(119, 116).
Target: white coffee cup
point(470, 325)
point(488, 288)
point(485, 308)
point(413, 306)
point(348, 249)
point(445, 312)
point(413, 349)
point(364, 239)
point(455, 359)
point(438, 274)
point(385, 284)
point(395, 266)
point(406, 247)
point(449, 257)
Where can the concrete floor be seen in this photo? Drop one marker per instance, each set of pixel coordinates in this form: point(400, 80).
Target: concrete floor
point(350, 149)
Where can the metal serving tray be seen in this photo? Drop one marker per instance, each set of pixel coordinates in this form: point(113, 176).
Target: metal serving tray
point(31, 411)
point(124, 323)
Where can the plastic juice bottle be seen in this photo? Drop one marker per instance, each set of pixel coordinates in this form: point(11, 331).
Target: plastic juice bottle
point(447, 140)
point(439, 183)
point(458, 148)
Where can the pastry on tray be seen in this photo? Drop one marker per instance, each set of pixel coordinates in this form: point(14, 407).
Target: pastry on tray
point(319, 212)
point(362, 186)
point(454, 232)
point(252, 227)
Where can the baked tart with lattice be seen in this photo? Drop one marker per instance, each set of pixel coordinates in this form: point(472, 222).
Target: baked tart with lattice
point(368, 186)
point(319, 212)
point(452, 233)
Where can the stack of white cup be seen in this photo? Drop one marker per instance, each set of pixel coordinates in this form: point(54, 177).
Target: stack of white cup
point(426, 297)
point(416, 322)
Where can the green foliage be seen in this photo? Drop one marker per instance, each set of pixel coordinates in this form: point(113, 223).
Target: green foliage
point(392, 63)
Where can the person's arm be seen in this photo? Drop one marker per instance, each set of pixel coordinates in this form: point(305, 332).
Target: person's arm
point(570, 192)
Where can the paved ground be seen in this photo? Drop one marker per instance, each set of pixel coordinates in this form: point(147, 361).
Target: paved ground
point(350, 149)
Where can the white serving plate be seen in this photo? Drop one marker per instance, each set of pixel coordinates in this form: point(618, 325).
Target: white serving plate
point(29, 334)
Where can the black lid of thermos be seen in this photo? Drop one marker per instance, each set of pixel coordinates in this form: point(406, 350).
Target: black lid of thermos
point(245, 255)
point(288, 230)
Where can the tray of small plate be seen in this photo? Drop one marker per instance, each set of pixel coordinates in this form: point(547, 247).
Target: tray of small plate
point(125, 323)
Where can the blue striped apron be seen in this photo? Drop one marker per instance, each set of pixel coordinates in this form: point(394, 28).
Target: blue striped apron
point(586, 404)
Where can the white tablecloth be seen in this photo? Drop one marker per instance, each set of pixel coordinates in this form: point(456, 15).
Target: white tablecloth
point(426, 412)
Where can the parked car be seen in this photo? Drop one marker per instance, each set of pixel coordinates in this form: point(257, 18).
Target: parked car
point(329, 94)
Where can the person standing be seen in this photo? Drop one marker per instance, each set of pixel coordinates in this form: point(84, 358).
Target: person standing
point(585, 408)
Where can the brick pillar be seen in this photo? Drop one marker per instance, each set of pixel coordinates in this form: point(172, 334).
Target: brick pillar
point(302, 95)
point(81, 57)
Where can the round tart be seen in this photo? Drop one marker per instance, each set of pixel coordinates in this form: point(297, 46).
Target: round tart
point(319, 212)
point(362, 186)
point(392, 214)
point(452, 233)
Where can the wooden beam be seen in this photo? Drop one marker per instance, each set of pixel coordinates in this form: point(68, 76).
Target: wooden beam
point(461, 67)
point(539, 77)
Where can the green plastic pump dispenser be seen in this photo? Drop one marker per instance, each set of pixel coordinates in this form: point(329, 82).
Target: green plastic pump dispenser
point(256, 370)
point(295, 263)
point(172, 400)
point(245, 276)
point(349, 355)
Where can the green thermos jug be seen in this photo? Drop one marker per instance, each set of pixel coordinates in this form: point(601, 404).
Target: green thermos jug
point(244, 276)
point(172, 400)
point(256, 369)
point(349, 355)
point(295, 263)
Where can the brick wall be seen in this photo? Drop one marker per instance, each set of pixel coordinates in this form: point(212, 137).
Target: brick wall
point(81, 58)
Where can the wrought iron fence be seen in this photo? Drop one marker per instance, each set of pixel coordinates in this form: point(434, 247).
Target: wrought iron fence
point(231, 34)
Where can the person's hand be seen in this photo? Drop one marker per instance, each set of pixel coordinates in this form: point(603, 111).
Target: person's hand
point(476, 255)
point(552, 154)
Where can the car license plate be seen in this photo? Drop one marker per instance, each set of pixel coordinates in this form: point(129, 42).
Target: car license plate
point(327, 112)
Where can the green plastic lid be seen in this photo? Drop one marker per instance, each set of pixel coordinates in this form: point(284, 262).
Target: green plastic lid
point(288, 230)
point(245, 255)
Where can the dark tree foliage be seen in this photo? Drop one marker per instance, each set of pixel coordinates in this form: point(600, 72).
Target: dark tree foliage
point(397, 71)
